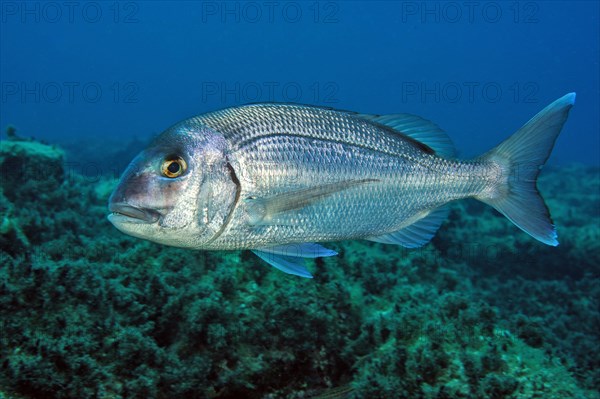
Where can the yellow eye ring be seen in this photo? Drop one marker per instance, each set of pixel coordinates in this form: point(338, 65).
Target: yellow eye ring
point(173, 167)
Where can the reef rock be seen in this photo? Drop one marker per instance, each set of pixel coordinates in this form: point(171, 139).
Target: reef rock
point(29, 167)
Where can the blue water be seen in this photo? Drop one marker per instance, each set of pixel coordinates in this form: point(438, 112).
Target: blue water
point(103, 71)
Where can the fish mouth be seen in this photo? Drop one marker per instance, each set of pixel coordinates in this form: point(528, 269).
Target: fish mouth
point(121, 212)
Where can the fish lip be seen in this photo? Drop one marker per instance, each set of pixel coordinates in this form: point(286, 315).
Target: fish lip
point(132, 214)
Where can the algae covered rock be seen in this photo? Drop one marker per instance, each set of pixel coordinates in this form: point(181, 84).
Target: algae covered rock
point(38, 199)
point(29, 170)
point(29, 167)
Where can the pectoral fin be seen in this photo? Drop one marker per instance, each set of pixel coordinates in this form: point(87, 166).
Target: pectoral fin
point(290, 258)
point(264, 210)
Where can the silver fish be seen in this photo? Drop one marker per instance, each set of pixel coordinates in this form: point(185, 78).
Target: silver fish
point(278, 178)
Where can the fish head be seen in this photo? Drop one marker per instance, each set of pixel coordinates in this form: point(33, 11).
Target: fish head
point(161, 196)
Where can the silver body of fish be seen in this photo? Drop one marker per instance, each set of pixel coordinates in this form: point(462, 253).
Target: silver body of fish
point(278, 178)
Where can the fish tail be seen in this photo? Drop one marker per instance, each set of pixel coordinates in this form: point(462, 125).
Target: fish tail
point(518, 161)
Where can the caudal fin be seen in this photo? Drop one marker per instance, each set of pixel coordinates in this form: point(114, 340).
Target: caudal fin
point(520, 158)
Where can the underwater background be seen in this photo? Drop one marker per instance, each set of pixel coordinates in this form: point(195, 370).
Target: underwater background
point(483, 311)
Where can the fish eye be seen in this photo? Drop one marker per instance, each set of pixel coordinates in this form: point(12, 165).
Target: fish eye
point(173, 166)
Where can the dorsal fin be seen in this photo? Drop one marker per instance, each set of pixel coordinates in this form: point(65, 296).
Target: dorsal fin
point(417, 128)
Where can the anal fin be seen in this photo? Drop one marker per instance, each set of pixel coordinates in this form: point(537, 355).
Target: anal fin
point(417, 234)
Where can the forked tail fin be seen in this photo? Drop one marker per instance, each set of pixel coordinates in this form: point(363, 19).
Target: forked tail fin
point(520, 158)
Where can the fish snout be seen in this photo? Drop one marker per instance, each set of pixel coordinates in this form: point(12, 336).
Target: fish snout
point(131, 201)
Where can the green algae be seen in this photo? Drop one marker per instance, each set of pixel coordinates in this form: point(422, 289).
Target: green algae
point(26, 150)
point(482, 311)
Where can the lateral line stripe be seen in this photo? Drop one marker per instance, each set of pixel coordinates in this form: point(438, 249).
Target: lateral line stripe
point(242, 144)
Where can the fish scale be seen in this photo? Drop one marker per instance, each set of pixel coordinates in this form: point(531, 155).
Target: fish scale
point(315, 146)
point(249, 123)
